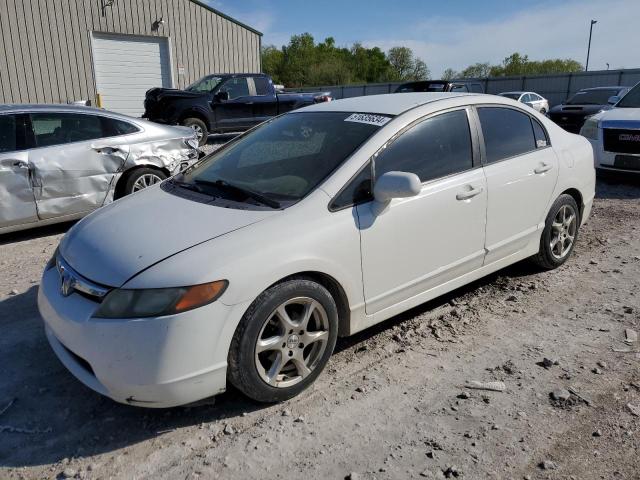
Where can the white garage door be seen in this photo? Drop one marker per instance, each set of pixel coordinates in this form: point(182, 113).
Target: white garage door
point(126, 66)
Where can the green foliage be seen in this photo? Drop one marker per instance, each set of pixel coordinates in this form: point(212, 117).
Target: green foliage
point(517, 64)
point(302, 62)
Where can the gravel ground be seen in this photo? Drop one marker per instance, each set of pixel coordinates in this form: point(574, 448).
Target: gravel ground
point(391, 404)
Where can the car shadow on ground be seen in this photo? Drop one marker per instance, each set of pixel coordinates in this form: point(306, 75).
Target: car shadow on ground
point(35, 232)
point(67, 419)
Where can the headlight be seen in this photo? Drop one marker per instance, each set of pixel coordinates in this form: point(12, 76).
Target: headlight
point(590, 129)
point(156, 302)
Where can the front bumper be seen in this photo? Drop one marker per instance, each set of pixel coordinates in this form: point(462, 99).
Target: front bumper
point(153, 362)
point(612, 161)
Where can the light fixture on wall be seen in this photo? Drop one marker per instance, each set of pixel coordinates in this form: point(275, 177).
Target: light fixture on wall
point(157, 24)
point(105, 4)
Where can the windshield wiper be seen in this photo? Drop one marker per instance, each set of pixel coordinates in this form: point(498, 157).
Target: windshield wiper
point(249, 193)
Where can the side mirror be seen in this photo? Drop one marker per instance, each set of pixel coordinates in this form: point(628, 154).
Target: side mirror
point(613, 100)
point(394, 185)
point(222, 96)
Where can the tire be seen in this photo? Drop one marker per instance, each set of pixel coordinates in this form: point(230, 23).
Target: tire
point(563, 233)
point(139, 179)
point(543, 111)
point(253, 361)
point(199, 127)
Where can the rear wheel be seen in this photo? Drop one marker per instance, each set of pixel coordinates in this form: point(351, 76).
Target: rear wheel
point(139, 179)
point(198, 126)
point(284, 341)
point(560, 233)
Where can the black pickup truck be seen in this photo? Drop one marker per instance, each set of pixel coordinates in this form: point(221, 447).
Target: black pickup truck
point(224, 103)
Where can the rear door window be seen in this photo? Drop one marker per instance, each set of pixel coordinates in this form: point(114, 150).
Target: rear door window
point(507, 133)
point(58, 128)
point(114, 127)
point(262, 85)
point(434, 148)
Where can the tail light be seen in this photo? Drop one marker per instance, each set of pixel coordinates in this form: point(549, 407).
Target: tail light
point(322, 98)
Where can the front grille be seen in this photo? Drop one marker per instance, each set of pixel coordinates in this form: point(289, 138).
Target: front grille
point(621, 141)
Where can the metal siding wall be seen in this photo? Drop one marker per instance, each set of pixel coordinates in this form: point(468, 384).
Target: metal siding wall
point(45, 47)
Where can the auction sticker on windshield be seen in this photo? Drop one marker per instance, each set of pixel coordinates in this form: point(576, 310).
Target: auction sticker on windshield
point(378, 120)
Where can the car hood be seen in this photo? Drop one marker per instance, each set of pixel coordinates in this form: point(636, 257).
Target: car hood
point(116, 242)
point(160, 93)
point(578, 109)
point(621, 118)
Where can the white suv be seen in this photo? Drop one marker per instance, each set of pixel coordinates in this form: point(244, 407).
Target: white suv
point(615, 134)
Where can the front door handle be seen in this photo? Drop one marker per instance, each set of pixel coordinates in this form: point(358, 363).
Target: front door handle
point(468, 194)
point(542, 168)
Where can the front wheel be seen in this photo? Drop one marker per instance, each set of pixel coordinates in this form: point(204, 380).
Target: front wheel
point(560, 233)
point(283, 341)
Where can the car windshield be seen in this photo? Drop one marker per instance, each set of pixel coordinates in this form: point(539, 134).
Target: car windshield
point(631, 99)
point(592, 97)
point(515, 96)
point(284, 159)
point(422, 87)
point(206, 84)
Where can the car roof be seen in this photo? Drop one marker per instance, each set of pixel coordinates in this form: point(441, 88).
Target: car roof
point(613, 87)
point(387, 104)
point(55, 107)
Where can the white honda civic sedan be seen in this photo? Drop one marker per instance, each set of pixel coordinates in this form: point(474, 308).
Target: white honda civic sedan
point(318, 223)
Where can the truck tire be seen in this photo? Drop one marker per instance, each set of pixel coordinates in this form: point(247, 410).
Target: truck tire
point(198, 126)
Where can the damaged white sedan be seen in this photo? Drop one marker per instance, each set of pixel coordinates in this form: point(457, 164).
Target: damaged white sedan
point(60, 162)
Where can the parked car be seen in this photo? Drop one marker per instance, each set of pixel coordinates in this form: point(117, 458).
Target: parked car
point(615, 135)
point(224, 103)
point(60, 162)
point(531, 99)
point(461, 86)
point(321, 222)
point(571, 114)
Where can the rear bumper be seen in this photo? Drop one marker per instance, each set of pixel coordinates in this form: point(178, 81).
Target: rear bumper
point(155, 362)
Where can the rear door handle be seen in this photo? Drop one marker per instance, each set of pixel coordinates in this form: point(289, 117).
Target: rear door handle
point(467, 194)
point(106, 150)
point(542, 168)
point(21, 164)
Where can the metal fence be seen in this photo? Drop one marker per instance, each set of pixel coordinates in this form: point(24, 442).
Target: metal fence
point(556, 88)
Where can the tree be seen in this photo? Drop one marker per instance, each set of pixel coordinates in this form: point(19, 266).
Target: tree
point(517, 64)
point(303, 62)
point(450, 74)
point(404, 66)
point(477, 70)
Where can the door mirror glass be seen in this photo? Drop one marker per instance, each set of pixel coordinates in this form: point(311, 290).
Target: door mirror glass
point(613, 99)
point(396, 185)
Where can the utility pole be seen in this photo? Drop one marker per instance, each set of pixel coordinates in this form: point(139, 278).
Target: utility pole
point(593, 22)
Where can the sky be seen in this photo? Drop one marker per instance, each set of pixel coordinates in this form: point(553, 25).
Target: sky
point(458, 33)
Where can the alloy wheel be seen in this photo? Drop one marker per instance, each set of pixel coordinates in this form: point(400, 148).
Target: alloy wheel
point(145, 181)
point(563, 231)
point(291, 342)
point(198, 129)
